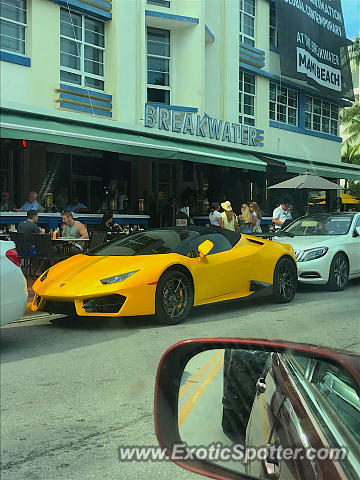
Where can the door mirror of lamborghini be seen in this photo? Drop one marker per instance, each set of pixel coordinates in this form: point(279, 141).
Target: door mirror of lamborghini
point(242, 408)
point(205, 248)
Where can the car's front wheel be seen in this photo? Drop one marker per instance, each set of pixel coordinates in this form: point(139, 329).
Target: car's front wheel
point(174, 297)
point(285, 280)
point(339, 273)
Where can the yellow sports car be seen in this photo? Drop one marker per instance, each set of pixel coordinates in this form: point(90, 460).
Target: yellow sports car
point(166, 272)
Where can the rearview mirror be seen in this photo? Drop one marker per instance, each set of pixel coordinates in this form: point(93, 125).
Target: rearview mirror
point(205, 248)
point(242, 409)
point(357, 232)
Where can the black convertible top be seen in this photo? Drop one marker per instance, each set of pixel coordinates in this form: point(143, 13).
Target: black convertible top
point(233, 237)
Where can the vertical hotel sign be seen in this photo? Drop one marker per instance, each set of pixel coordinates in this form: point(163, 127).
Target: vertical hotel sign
point(312, 44)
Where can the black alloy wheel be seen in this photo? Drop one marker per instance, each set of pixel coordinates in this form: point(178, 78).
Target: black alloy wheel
point(174, 297)
point(285, 280)
point(339, 273)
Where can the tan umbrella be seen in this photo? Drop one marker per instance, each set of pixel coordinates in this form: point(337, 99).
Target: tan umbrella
point(308, 181)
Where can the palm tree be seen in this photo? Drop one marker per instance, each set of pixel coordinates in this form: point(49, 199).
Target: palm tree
point(350, 117)
point(351, 154)
point(354, 51)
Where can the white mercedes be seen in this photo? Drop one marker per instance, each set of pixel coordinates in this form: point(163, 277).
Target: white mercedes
point(327, 248)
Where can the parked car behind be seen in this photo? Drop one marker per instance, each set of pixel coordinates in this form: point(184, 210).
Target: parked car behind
point(13, 288)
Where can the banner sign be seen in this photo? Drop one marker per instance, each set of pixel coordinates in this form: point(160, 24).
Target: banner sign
point(313, 45)
point(202, 126)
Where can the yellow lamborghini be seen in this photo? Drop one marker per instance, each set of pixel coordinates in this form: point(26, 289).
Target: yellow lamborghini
point(166, 272)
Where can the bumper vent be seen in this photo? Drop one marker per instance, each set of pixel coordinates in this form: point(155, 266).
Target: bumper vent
point(66, 308)
point(106, 304)
point(310, 275)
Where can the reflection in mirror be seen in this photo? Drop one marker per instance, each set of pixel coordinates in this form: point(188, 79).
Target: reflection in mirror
point(245, 409)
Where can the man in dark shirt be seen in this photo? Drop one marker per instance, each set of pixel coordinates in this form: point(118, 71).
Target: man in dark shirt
point(29, 226)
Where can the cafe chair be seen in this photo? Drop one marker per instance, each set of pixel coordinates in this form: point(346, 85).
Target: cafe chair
point(26, 256)
point(45, 250)
point(96, 239)
point(93, 227)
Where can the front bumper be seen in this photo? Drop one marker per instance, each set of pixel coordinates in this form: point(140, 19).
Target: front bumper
point(315, 271)
point(111, 303)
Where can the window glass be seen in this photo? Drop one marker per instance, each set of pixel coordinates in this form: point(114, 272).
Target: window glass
point(320, 225)
point(247, 22)
point(283, 104)
point(247, 91)
point(146, 243)
point(321, 116)
point(221, 244)
point(13, 24)
point(82, 50)
point(158, 65)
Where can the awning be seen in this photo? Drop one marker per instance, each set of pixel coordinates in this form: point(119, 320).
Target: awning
point(329, 170)
point(64, 131)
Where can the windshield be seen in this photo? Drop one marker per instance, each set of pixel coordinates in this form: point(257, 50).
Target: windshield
point(320, 225)
point(146, 243)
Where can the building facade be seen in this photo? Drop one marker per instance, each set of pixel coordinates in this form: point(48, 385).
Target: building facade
point(156, 99)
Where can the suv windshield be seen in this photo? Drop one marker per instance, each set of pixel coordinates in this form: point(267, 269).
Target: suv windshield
point(320, 225)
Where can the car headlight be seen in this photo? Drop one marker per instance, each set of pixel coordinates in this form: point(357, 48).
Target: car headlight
point(311, 254)
point(117, 278)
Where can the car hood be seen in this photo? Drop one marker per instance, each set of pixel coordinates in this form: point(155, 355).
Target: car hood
point(80, 275)
point(96, 267)
point(304, 243)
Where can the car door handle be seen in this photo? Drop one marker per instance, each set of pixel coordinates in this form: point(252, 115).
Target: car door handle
point(271, 464)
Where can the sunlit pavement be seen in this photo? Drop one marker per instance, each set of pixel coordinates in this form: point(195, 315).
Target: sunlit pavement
point(73, 391)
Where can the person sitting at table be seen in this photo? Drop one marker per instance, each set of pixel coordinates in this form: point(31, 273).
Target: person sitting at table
point(76, 206)
point(28, 227)
point(126, 208)
point(7, 205)
point(107, 224)
point(73, 229)
point(31, 204)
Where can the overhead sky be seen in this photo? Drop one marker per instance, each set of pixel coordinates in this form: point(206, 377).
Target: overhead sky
point(351, 12)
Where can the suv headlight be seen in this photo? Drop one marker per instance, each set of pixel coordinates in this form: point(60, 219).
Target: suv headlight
point(117, 278)
point(311, 254)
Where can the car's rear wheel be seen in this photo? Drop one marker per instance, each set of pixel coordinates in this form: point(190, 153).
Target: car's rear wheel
point(174, 297)
point(339, 273)
point(285, 280)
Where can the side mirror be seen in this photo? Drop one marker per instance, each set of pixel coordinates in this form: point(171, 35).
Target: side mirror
point(356, 232)
point(231, 408)
point(205, 248)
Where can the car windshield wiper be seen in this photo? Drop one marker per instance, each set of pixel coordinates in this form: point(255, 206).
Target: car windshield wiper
point(282, 233)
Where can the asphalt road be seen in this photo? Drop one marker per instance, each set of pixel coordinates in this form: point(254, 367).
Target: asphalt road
point(73, 391)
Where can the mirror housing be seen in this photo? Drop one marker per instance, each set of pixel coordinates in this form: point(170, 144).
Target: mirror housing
point(205, 248)
point(169, 381)
point(356, 232)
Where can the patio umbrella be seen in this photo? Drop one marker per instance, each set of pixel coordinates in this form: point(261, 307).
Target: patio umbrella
point(308, 181)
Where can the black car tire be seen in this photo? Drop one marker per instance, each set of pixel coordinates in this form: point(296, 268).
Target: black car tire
point(339, 273)
point(285, 280)
point(174, 297)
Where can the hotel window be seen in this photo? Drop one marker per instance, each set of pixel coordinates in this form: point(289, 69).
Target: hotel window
point(246, 98)
point(13, 24)
point(82, 50)
point(283, 104)
point(321, 116)
point(160, 3)
point(247, 22)
point(274, 39)
point(158, 65)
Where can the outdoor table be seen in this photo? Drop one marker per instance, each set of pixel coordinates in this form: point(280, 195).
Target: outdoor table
point(67, 241)
point(52, 220)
